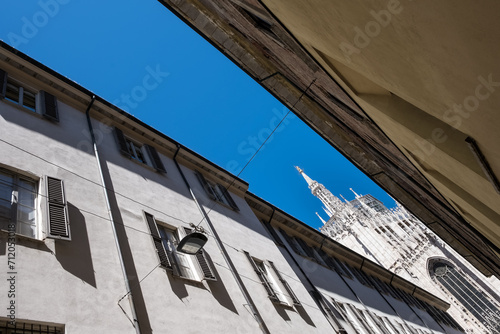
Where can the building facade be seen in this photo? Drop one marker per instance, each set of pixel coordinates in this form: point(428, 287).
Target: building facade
point(94, 205)
point(396, 240)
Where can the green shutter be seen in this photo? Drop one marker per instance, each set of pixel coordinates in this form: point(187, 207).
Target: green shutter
point(3, 84)
point(290, 242)
point(122, 143)
point(228, 197)
point(206, 186)
point(49, 106)
point(206, 269)
point(273, 232)
point(155, 159)
point(58, 222)
point(305, 247)
point(160, 249)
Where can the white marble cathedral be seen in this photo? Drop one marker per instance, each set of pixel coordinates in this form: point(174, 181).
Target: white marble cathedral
point(398, 241)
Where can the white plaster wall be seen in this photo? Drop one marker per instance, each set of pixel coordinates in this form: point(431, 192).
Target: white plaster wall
point(78, 282)
point(173, 304)
point(242, 231)
point(346, 290)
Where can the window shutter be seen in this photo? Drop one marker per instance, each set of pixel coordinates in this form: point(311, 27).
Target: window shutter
point(58, 223)
point(272, 231)
point(206, 186)
point(292, 295)
point(227, 195)
point(160, 249)
point(49, 106)
point(334, 264)
point(206, 269)
point(155, 159)
point(122, 143)
point(270, 292)
point(378, 321)
point(290, 242)
point(3, 83)
point(359, 276)
point(389, 325)
point(360, 320)
point(307, 249)
point(327, 310)
point(345, 268)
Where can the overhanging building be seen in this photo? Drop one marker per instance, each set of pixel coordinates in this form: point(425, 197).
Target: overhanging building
point(408, 91)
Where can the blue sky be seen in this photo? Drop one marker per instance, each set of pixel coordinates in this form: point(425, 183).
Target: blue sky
point(199, 98)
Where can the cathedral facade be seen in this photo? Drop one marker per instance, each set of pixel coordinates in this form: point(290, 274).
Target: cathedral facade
point(398, 241)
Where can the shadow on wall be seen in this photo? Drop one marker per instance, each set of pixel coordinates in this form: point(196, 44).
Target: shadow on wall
point(25, 242)
point(75, 256)
point(282, 311)
point(178, 286)
point(302, 312)
point(217, 288)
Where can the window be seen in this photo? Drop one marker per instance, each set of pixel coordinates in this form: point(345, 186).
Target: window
point(166, 238)
point(217, 192)
point(18, 196)
point(276, 286)
point(474, 299)
point(139, 152)
point(28, 98)
point(18, 206)
point(272, 231)
point(20, 95)
point(376, 322)
point(136, 150)
point(349, 313)
point(336, 265)
point(6, 327)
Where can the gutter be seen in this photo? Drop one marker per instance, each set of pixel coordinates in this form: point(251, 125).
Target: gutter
point(223, 251)
point(134, 321)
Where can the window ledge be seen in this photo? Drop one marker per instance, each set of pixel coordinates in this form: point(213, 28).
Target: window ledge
point(281, 303)
point(19, 107)
point(190, 280)
point(143, 164)
point(22, 237)
point(225, 205)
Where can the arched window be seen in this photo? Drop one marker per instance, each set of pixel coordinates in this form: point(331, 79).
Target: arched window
point(460, 286)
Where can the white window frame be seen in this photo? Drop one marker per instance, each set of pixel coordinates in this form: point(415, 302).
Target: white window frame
point(135, 146)
point(170, 237)
point(22, 88)
point(220, 197)
point(274, 283)
point(217, 192)
point(16, 178)
point(277, 288)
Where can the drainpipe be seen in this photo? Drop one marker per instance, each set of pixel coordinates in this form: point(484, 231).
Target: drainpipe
point(110, 214)
point(222, 249)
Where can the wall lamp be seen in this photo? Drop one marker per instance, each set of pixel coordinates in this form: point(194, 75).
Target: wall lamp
point(193, 242)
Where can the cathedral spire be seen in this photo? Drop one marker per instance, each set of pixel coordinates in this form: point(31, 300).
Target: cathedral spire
point(332, 205)
point(324, 222)
point(304, 175)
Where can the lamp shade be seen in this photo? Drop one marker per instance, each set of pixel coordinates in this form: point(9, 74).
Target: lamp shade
point(192, 243)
